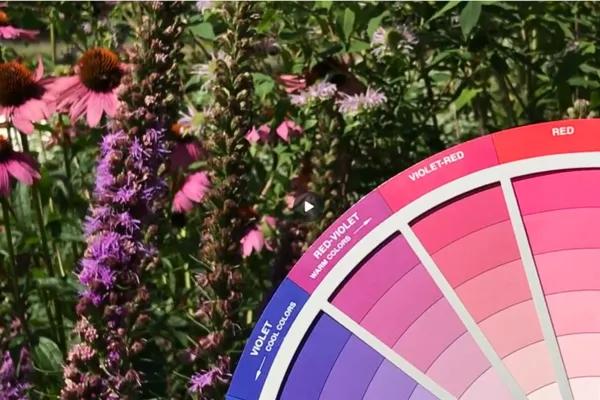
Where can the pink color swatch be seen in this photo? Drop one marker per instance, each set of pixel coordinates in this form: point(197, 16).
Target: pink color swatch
point(460, 218)
point(581, 353)
point(477, 253)
point(436, 171)
point(531, 367)
point(587, 388)
point(563, 225)
point(375, 277)
point(414, 319)
point(549, 392)
point(430, 335)
point(576, 228)
point(495, 290)
point(479, 256)
point(569, 270)
point(501, 327)
point(558, 190)
point(488, 386)
point(574, 312)
point(410, 297)
point(457, 368)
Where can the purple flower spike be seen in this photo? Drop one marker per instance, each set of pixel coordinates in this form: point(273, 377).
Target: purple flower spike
point(127, 186)
point(13, 385)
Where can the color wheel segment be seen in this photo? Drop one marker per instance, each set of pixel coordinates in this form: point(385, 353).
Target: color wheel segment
point(472, 275)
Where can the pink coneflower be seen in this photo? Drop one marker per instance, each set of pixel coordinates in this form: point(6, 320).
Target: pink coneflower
point(18, 165)
point(24, 96)
point(193, 191)
point(93, 90)
point(7, 31)
point(254, 240)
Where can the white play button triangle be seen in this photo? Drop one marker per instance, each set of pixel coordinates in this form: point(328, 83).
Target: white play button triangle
point(308, 206)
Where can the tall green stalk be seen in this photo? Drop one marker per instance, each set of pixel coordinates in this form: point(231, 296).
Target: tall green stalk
point(46, 255)
point(12, 271)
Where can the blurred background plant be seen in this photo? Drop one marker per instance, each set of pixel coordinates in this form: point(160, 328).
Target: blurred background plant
point(267, 100)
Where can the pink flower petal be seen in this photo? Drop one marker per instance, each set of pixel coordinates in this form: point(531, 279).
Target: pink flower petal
point(270, 221)
point(252, 136)
point(294, 127)
point(111, 104)
point(291, 83)
point(22, 124)
point(64, 85)
point(185, 153)
point(10, 32)
point(4, 180)
point(39, 71)
point(180, 157)
point(78, 108)
point(194, 149)
point(289, 200)
point(253, 241)
point(181, 203)
point(94, 110)
point(20, 166)
point(196, 186)
point(286, 128)
point(32, 110)
point(282, 131)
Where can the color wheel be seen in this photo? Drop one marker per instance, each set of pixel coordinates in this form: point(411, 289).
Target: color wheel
point(473, 275)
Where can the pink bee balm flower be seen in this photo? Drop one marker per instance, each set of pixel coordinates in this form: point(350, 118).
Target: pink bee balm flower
point(24, 96)
point(286, 128)
point(258, 135)
point(93, 90)
point(193, 191)
point(254, 241)
point(18, 165)
point(10, 32)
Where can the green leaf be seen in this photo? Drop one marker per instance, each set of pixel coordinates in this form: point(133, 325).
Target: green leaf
point(323, 5)
point(203, 30)
point(358, 46)
point(583, 82)
point(469, 17)
point(375, 23)
point(588, 69)
point(264, 84)
point(348, 27)
point(449, 6)
point(465, 97)
point(48, 355)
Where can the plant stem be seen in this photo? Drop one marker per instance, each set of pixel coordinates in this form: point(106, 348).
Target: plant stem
point(37, 205)
point(69, 186)
point(53, 40)
point(14, 280)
